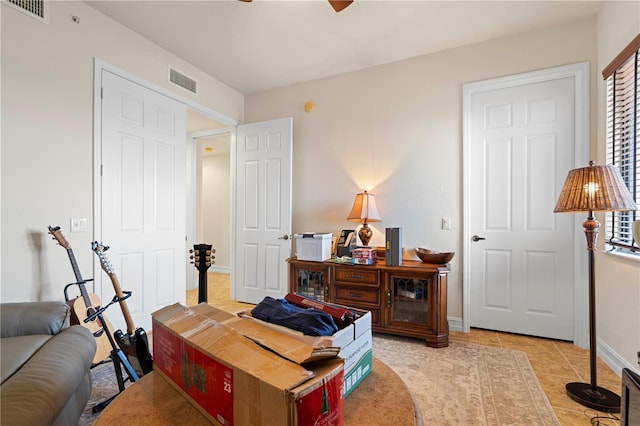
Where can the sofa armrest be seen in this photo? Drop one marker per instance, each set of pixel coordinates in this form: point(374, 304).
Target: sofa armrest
point(19, 319)
point(39, 393)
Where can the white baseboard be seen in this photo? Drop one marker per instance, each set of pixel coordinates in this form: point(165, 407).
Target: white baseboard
point(221, 269)
point(455, 323)
point(612, 359)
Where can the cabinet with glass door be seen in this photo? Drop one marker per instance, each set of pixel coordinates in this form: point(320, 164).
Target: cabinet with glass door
point(416, 304)
point(310, 279)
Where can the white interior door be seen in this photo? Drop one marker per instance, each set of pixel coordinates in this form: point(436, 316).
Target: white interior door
point(143, 142)
point(521, 143)
point(263, 212)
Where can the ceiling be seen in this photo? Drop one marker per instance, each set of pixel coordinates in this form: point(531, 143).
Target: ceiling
point(267, 44)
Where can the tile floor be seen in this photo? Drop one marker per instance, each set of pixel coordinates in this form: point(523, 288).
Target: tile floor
point(556, 363)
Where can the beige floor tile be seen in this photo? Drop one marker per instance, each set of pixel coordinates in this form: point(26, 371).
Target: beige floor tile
point(551, 363)
point(527, 343)
point(554, 388)
point(479, 337)
point(605, 376)
point(569, 349)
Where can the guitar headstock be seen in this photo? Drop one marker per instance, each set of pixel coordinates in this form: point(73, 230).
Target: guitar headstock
point(56, 233)
point(202, 256)
point(100, 249)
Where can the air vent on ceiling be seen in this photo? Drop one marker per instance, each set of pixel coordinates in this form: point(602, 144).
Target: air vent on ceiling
point(183, 81)
point(37, 9)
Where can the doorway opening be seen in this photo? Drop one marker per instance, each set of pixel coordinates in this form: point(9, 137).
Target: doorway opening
point(209, 204)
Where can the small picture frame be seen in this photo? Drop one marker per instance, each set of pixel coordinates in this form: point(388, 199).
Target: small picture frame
point(346, 242)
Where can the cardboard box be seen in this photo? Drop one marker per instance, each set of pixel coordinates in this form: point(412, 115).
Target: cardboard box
point(363, 256)
point(314, 247)
point(358, 361)
point(364, 253)
point(234, 381)
point(354, 342)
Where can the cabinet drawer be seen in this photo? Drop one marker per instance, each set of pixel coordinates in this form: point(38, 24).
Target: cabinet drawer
point(358, 276)
point(347, 295)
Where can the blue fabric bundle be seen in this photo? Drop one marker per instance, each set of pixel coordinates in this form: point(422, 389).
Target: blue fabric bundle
point(309, 321)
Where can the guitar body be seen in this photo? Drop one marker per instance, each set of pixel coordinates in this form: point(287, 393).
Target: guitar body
point(136, 347)
point(81, 311)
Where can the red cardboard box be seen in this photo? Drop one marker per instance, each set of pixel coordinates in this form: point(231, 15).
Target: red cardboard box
point(234, 381)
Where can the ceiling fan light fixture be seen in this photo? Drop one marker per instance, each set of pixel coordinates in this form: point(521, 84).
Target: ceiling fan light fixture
point(338, 5)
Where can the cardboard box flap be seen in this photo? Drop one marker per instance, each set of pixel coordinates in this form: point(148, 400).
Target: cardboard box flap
point(164, 314)
point(286, 346)
point(324, 371)
point(215, 314)
point(246, 355)
point(231, 347)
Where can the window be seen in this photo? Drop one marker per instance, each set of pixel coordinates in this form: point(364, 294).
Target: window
point(623, 141)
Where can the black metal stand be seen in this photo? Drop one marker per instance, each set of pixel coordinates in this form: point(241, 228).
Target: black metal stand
point(117, 356)
point(590, 394)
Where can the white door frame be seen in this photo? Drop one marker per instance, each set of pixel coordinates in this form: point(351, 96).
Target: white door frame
point(99, 66)
point(580, 73)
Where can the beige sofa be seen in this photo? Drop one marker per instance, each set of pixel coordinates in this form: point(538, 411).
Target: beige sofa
point(45, 364)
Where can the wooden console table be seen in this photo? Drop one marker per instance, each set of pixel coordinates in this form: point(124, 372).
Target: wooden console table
point(409, 299)
point(382, 399)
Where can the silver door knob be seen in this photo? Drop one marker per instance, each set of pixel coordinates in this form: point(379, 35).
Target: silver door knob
point(477, 238)
point(284, 237)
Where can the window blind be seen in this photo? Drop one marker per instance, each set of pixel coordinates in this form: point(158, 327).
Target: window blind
point(623, 142)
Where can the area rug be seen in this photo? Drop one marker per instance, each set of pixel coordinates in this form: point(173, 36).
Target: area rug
point(467, 384)
point(463, 384)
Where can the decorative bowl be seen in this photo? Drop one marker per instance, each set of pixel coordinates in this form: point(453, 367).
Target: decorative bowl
point(434, 257)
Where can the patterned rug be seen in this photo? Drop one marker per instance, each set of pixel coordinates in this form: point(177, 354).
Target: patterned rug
point(467, 384)
point(463, 384)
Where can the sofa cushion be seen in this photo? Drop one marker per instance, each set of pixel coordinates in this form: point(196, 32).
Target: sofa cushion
point(18, 319)
point(17, 350)
point(38, 393)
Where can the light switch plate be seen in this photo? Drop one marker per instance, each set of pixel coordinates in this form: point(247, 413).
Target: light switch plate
point(78, 224)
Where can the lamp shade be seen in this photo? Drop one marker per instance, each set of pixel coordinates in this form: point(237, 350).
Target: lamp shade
point(364, 208)
point(594, 188)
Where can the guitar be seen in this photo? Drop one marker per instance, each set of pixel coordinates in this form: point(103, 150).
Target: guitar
point(134, 343)
point(202, 258)
point(86, 304)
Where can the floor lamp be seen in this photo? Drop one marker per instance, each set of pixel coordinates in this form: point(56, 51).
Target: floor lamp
point(589, 189)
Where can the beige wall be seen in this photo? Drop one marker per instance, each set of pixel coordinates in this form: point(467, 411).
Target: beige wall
point(617, 278)
point(215, 218)
point(47, 134)
point(396, 130)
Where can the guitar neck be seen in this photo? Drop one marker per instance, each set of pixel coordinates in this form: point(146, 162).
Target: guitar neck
point(123, 305)
point(79, 280)
point(202, 284)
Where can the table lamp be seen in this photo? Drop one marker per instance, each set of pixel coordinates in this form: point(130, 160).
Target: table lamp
point(364, 210)
point(589, 189)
